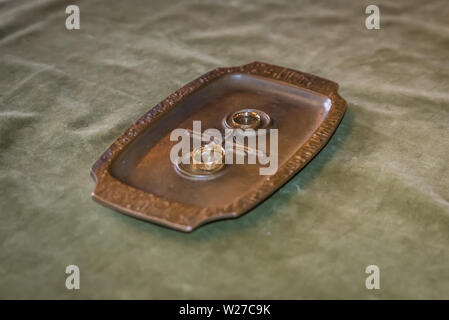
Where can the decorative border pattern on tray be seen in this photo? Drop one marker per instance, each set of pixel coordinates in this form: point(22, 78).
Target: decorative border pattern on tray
point(184, 217)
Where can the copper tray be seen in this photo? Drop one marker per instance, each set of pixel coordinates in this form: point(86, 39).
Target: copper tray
point(135, 175)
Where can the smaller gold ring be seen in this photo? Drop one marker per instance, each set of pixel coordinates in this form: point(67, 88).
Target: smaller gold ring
point(245, 120)
point(208, 158)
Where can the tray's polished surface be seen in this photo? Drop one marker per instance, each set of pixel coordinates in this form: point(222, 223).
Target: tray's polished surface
point(135, 175)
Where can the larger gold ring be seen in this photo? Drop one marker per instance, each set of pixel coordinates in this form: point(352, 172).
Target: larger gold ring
point(245, 120)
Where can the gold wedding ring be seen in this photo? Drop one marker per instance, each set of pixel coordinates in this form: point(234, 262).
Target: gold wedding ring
point(209, 157)
point(245, 120)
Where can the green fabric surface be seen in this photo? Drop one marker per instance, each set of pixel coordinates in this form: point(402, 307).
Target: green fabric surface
point(376, 194)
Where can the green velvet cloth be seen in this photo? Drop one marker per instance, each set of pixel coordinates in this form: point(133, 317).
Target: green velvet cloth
point(377, 194)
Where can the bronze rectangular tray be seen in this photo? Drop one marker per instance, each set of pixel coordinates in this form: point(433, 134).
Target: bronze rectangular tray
point(135, 174)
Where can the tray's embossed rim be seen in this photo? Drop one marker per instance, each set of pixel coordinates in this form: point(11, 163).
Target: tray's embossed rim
point(184, 217)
